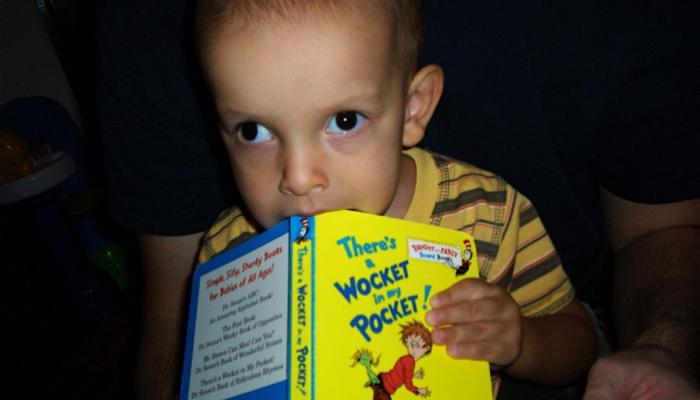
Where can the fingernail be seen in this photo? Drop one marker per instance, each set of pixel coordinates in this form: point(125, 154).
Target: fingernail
point(430, 317)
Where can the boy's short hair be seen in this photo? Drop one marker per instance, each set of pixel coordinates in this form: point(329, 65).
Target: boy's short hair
point(405, 16)
point(415, 328)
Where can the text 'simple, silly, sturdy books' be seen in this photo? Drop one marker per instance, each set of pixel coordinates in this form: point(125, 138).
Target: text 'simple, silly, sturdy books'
point(329, 307)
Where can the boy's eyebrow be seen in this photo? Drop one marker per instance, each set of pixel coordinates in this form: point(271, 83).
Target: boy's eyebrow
point(345, 103)
point(371, 96)
point(366, 102)
point(227, 113)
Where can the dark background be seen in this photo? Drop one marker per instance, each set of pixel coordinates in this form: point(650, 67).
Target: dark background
point(70, 329)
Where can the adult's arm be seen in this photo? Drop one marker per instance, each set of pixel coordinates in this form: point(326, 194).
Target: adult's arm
point(655, 299)
point(168, 265)
point(164, 180)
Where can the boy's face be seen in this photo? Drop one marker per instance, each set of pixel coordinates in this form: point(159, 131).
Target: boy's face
point(312, 116)
point(416, 346)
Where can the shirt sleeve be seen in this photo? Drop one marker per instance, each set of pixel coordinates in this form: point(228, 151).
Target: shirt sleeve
point(409, 365)
point(533, 272)
point(230, 229)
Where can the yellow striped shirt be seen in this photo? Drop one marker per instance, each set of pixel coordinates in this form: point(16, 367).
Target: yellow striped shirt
point(514, 249)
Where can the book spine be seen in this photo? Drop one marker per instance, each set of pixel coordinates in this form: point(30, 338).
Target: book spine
point(301, 362)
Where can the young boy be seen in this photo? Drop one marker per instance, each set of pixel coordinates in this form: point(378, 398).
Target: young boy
point(321, 108)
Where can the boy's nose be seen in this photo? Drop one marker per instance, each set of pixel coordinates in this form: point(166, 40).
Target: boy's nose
point(303, 173)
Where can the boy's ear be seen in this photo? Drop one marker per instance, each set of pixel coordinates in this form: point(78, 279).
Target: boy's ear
point(423, 96)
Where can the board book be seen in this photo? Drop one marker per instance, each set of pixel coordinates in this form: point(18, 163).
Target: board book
point(329, 307)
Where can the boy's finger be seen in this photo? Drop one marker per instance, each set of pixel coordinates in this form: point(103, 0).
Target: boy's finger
point(466, 312)
point(487, 350)
point(466, 289)
point(474, 332)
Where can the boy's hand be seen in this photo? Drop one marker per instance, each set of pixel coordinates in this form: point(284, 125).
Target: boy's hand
point(477, 320)
point(423, 392)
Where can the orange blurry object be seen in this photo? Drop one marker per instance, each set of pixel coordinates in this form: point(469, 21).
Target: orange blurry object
point(15, 160)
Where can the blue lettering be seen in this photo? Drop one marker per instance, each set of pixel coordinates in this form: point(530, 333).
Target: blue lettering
point(301, 365)
point(376, 280)
point(347, 290)
point(386, 280)
point(360, 323)
point(386, 316)
point(344, 243)
point(394, 308)
point(375, 284)
point(364, 286)
point(353, 248)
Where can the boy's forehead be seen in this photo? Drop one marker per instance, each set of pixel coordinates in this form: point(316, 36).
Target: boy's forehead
point(372, 12)
point(364, 25)
point(397, 20)
point(349, 26)
point(302, 59)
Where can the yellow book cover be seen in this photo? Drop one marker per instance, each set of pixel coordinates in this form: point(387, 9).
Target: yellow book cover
point(329, 307)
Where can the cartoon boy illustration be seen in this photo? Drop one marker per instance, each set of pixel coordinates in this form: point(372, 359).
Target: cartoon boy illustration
point(416, 337)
